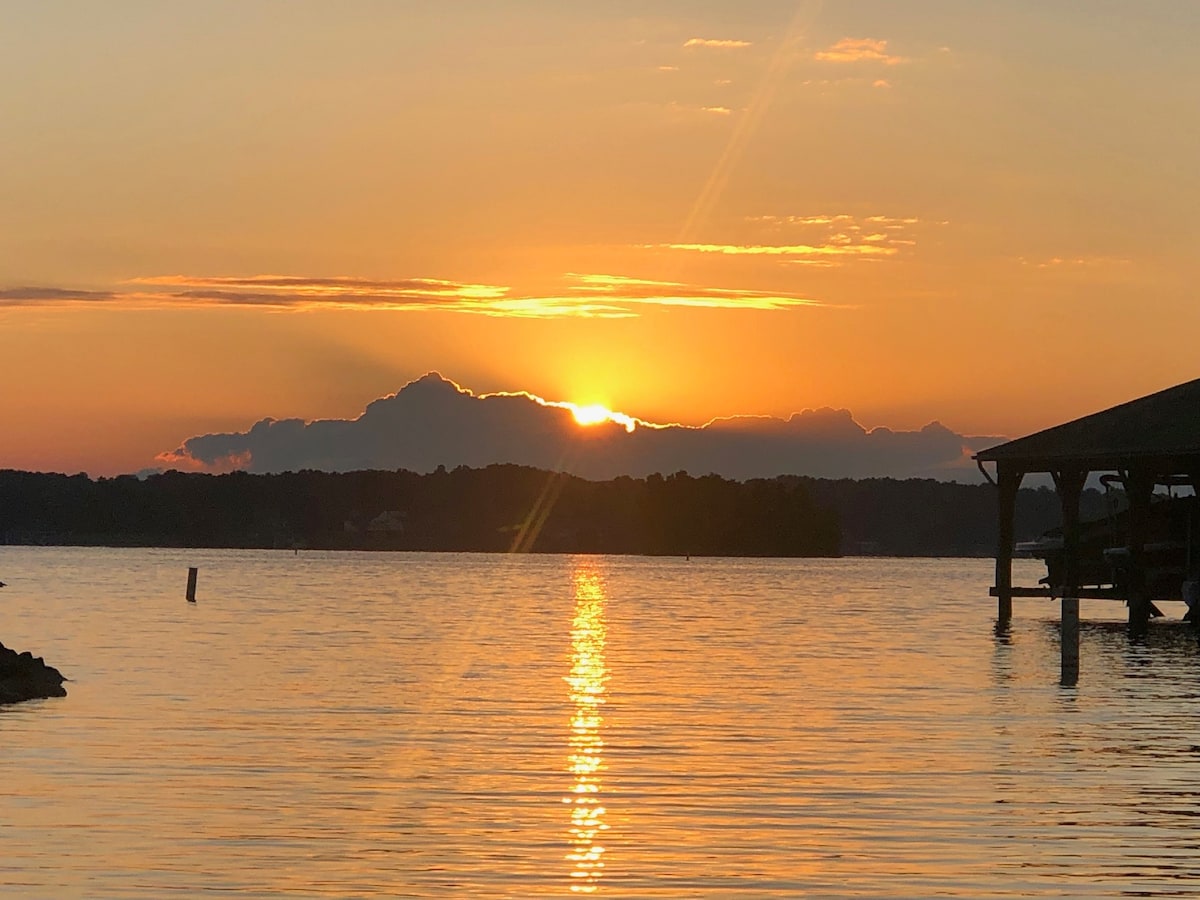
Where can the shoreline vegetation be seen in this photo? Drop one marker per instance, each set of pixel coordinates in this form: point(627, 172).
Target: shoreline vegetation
point(503, 508)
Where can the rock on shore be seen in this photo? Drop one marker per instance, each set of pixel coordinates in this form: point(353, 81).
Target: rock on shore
point(24, 676)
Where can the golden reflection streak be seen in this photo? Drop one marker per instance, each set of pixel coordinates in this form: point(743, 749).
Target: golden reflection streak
point(585, 759)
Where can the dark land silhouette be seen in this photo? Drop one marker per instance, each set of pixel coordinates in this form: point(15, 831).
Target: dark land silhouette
point(507, 507)
point(925, 517)
point(24, 676)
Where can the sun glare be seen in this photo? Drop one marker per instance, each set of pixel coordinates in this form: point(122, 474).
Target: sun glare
point(595, 414)
point(585, 414)
point(591, 415)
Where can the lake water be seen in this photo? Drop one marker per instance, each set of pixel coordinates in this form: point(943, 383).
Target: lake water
point(442, 725)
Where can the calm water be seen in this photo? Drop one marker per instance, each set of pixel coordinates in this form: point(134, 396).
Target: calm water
point(411, 725)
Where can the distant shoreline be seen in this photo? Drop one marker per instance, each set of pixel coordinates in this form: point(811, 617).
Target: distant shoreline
point(84, 545)
point(509, 508)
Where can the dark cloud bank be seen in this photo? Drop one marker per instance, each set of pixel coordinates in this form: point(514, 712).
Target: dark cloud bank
point(432, 422)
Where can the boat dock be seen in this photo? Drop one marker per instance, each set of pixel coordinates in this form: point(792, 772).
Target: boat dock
point(1151, 551)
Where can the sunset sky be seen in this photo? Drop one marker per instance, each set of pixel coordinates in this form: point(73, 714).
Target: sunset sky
point(980, 213)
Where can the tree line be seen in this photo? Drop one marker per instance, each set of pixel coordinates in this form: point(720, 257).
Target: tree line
point(509, 507)
point(498, 508)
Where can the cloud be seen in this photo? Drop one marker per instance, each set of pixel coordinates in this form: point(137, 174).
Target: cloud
point(670, 293)
point(801, 220)
point(29, 296)
point(835, 248)
point(434, 422)
point(322, 287)
point(892, 222)
point(583, 296)
point(1077, 262)
point(852, 50)
point(829, 239)
point(690, 114)
point(284, 291)
point(277, 291)
point(716, 43)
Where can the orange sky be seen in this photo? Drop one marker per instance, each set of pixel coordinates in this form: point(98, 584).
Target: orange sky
point(930, 210)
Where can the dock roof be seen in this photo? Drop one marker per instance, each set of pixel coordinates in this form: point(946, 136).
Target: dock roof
point(1159, 429)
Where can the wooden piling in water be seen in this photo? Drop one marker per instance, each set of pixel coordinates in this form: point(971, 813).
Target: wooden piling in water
point(1139, 488)
point(1008, 482)
point(191, 585)
point(1070, 641)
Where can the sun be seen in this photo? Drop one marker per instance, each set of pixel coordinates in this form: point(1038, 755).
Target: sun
point(595, 414)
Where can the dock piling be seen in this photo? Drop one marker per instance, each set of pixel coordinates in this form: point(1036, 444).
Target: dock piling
point(1008, 480)
point(1070, 641)
point(191, 584)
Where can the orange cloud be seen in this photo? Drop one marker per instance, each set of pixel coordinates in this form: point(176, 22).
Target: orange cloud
point(586, 296)
point(670, 293)
point(40, 296)
point(1077, 262)
point(300, 284)
point(828, 239)
point(836, 248)
point(180, 460)
point(851, 50)
point(716, 43)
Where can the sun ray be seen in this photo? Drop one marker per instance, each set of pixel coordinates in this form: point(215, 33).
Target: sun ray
point(747, 125)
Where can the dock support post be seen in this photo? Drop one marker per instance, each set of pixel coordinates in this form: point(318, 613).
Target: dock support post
point(191, 585)
point(1070, 641)
point(1008, 480)
point(1139, 486)
point(1069, 483)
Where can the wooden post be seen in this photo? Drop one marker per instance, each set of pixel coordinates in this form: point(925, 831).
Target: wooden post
point(1008, 480)
point(191, 587)
point(1069, 483)
point(1070, 641)
point(1139, 486)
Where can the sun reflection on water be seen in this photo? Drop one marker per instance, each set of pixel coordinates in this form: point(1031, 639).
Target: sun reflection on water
point(586, 757)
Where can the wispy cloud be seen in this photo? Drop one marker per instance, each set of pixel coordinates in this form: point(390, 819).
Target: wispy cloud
point(893, 222)
point(801, 220)
point(688, 114)
point(829, 239)
point(583, 296)
point(1077, 262)
point(716, 43)
point(852, 50)
point(834, 248)
point(30, 296)
point(672, 293)
point(298, 288)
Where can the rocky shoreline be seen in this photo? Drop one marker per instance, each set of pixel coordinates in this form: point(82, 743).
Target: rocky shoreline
point(24, 676)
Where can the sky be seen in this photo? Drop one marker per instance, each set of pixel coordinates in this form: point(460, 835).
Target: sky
point(979, 214)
